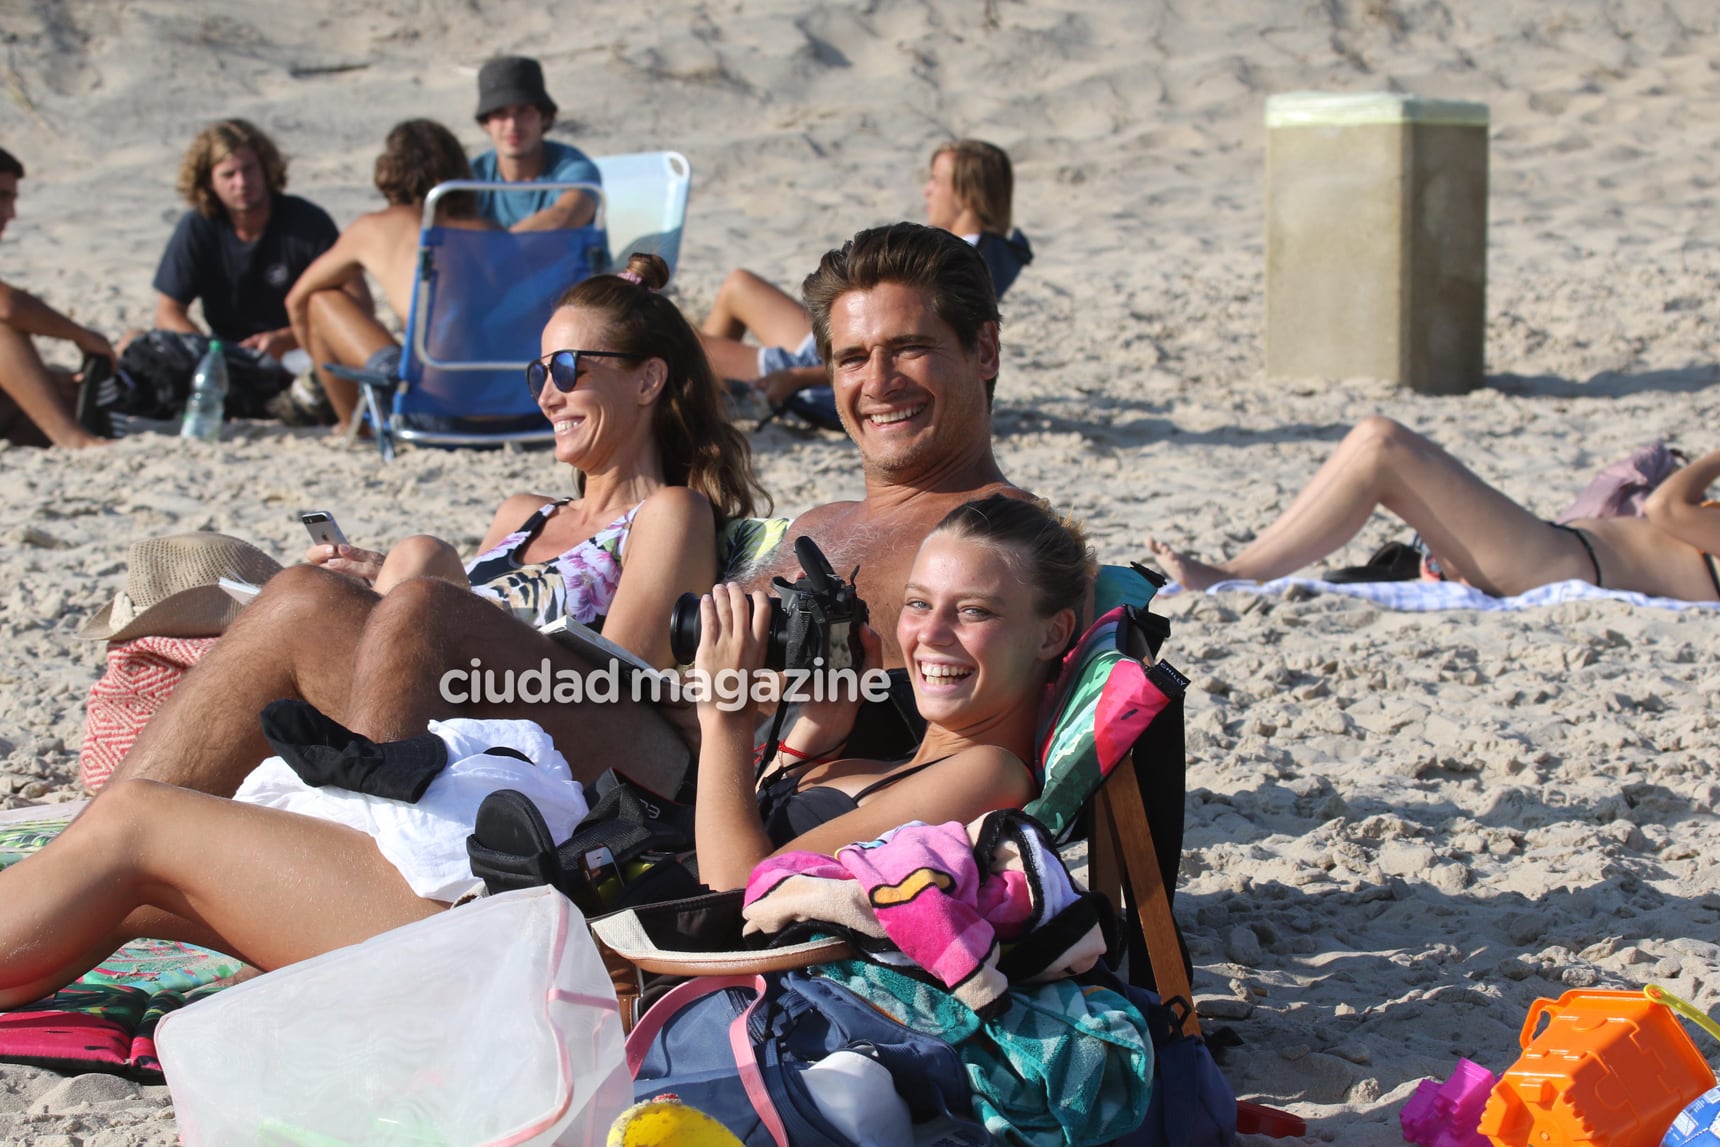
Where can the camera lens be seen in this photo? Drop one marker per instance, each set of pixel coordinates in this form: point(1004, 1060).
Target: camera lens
point(684, 628)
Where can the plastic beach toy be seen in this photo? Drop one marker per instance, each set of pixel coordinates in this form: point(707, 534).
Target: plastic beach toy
point(668, 1123)
point(1611, 1069)
point(1445, 1114)
point(1697, 1125)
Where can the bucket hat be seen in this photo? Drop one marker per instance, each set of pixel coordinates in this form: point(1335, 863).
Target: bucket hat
point(508, 80)
point(171, 591)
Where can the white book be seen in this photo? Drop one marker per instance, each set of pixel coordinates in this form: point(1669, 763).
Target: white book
point(595, 647)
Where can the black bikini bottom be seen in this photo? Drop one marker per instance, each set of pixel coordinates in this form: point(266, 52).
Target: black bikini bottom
point(1588, 547)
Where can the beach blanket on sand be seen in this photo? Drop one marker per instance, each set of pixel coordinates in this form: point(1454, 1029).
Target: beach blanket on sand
point(1428, 596)
point(106, 1021)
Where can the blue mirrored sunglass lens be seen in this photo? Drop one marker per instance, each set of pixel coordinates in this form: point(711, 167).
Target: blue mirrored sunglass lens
point(563, 369)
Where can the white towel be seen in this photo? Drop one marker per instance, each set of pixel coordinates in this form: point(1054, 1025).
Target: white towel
point(1426, 596)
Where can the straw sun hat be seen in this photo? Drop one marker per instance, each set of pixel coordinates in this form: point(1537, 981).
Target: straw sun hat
point(171, 591)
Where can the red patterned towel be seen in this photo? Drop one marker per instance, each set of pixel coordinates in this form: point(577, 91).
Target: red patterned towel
point(140, 674)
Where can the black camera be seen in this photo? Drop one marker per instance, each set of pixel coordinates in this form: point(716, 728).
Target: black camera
point(816, 616)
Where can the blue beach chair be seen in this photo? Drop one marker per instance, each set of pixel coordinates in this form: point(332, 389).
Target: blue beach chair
point(480, 300)
point(479, 303)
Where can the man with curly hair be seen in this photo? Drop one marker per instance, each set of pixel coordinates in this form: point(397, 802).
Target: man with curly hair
point(238, 251)
point(327, 321)
point(244, 242)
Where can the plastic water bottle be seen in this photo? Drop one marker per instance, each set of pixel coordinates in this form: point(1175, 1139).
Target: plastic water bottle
point(208, 400)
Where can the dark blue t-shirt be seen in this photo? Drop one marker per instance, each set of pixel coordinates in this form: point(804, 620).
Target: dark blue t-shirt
point(244, 285)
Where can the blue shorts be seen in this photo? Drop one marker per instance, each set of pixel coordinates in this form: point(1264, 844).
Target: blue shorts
point(774, 358)
point(384, 361)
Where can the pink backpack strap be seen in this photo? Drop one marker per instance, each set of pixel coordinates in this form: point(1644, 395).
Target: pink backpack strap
point(740, 1040)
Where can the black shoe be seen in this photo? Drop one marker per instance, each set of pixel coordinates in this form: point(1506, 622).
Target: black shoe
point(510, 846)
point(304, 403)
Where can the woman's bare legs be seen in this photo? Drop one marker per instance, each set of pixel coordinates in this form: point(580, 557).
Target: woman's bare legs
point(267, 886)
point(1478, 533)
point(421, 555)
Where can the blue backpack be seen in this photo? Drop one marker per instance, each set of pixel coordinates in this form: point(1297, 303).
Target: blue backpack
point(735, 1047)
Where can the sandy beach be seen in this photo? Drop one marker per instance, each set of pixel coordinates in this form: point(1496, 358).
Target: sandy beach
point(1402, 827)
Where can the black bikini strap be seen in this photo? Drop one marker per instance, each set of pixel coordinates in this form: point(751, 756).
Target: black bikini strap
point(886, 782)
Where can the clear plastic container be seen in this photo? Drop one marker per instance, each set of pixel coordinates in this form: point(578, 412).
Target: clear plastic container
point(491, 1023)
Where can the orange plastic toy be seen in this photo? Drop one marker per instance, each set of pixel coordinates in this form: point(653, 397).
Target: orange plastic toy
point(1612, 1069)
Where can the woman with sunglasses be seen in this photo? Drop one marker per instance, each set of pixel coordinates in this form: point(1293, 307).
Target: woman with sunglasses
point(636, 414)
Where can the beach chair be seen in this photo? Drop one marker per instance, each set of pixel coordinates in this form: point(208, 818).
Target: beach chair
point(479, 303)
point(646, 203)
point(1114, 758)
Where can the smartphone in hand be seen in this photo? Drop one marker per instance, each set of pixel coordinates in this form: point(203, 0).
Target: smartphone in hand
point(324, 530)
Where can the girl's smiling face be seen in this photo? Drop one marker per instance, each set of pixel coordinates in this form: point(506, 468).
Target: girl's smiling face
point(971, 634)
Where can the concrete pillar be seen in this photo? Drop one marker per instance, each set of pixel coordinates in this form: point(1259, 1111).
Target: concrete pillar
point(1376, 239)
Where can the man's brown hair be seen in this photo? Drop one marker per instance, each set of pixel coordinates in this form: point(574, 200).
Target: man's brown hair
point(9, 164)
point(946, 267)
point(215, 143)
point(419, 154)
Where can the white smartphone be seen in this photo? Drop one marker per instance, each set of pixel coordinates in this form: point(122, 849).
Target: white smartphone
point(323, 529)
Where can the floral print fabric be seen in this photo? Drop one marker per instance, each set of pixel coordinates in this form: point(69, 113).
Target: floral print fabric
point(579, 583)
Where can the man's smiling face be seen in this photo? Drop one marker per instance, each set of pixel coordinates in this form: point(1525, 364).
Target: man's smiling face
point(910, 395)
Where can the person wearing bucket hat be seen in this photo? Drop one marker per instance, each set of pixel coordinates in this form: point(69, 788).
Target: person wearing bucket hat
point(515, 110)
point(172, 588)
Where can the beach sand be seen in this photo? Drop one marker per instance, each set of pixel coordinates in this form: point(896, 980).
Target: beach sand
point(1402, 828)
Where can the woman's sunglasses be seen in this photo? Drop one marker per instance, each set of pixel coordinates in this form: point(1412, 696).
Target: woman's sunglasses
point(562, 368)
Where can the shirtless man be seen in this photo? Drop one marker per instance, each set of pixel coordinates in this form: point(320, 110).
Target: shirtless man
point(906, 316)
point(35, 400)
point(327, 321)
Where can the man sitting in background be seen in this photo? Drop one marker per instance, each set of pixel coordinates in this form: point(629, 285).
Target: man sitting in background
point(515, 110)
point(36, 401)
point(238, 251)
point(326, 320)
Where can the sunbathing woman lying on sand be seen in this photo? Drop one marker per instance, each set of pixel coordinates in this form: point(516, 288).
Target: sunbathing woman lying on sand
point(989, 608)
point(1478, 535)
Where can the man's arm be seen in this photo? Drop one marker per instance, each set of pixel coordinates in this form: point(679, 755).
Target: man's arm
point(573, 209)
point(29, 315)
point(335, 269)
point(173, 315)
point(781, 385)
